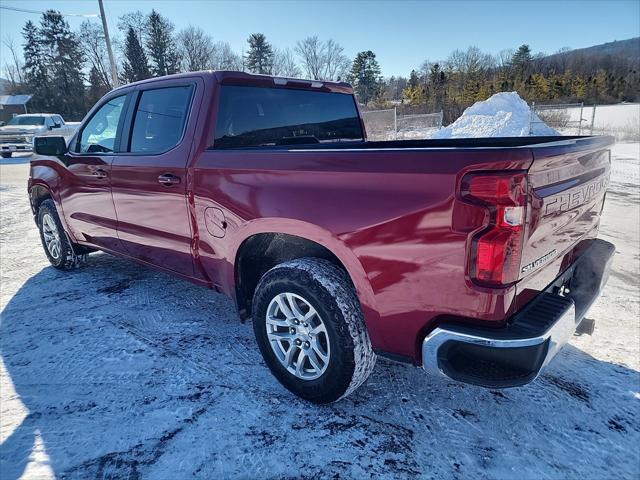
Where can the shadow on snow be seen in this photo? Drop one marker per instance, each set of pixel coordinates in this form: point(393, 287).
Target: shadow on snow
point(124, 371)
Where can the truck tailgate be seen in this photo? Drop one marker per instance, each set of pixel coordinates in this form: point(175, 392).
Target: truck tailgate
point(567, 186)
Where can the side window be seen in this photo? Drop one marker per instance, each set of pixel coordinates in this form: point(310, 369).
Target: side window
point(99, 134)
point(160, 119)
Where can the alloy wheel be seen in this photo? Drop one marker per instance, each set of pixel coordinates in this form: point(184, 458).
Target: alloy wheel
point(298, 336)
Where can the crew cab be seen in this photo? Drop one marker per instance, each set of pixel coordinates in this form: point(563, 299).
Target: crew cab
point(473, 258)
point(17, 135)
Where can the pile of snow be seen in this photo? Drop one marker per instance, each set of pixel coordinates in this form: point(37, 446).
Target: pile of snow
point(504, 114)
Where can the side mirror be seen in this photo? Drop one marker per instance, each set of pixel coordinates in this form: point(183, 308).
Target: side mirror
point(52, 146)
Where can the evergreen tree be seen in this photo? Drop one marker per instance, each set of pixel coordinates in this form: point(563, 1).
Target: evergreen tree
point(437, 79)
point(521, 61)
point(97, 88)
point(136, 66)
point(161, 45)
point(414, 80)
point(35, 69)
point(365, 77)
point(260, 55)
point(64, 61)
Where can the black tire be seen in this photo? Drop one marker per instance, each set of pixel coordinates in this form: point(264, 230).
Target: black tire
point(65, 259)
point(328, 289)
point(6, 154)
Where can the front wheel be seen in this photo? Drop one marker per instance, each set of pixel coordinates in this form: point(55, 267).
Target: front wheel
point(310, 330)
point(55, 242)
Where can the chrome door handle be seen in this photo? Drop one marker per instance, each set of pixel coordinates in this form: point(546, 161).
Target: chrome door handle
point(99, 173)
point(167, 180)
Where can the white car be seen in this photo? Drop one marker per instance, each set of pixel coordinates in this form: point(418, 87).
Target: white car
point(17, 135)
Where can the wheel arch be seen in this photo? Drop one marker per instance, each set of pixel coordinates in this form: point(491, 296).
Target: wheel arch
point(45, 183)
point(260, 250)
point(38, 194)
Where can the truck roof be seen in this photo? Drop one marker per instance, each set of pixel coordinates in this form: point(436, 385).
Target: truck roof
point(225, 77)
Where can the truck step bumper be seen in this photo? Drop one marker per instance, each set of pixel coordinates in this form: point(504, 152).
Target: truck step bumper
point(516, 354)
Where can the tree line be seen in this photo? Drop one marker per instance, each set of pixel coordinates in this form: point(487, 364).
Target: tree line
point(67, 71)
point(472, 75)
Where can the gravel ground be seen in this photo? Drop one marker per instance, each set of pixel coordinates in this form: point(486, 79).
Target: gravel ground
point(118, 371)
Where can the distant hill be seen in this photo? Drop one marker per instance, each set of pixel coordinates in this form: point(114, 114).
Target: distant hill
point(629, 49)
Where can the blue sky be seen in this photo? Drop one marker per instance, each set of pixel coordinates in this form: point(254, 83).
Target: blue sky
point(402, 34)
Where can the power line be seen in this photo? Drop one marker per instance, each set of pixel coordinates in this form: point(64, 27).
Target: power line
point(25, 10)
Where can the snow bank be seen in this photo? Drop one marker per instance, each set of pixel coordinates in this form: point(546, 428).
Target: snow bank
point(504, 114)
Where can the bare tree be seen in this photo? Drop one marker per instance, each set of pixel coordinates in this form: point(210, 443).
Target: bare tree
point(196, 49)
point(137, 20)
point(224, 58)
point(423, 71)
point(92, 40)
point(13, 70)
point(311, 52)
point(504, 57)
point(337, 65)
point(322, 60)
point(476, 61)
point(456, 61)
point(284, 64)
point(469, 62)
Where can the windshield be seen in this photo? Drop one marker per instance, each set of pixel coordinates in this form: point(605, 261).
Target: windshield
point(26, 120)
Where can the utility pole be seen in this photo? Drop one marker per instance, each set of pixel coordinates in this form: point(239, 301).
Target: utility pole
point(112, 61)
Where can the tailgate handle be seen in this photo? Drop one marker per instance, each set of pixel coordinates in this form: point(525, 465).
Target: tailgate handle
point(168, 179)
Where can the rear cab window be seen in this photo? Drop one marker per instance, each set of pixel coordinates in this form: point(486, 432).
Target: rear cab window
point(263, 116)
point(160, 118)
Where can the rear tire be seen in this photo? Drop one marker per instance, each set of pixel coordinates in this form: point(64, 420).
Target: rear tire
point(6, 154)
point(308, 309)
point(55, 242)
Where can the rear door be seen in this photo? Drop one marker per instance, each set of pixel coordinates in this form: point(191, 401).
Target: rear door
point(568, 182)
point(149, 177)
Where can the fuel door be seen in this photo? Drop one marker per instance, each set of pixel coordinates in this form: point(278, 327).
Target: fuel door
point(215, 222)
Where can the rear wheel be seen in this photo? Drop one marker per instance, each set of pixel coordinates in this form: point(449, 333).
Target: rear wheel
point(310, 330)
point(55, 242)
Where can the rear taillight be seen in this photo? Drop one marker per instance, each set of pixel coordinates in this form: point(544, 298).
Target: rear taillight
point(496, 249)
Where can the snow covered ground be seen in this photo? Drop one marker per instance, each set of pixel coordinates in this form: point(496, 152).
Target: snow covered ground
point(117, 371)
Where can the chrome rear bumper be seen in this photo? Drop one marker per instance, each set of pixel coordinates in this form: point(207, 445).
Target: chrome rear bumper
point(515, 355)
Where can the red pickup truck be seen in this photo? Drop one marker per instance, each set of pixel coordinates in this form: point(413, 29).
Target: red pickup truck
point(475, 258)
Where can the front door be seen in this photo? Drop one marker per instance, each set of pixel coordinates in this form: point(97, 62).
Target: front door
point(86, 192)
point(149, 178)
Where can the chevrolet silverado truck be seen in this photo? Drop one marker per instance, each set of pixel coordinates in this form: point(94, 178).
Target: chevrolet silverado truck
point(17, 135)
point(473, 258)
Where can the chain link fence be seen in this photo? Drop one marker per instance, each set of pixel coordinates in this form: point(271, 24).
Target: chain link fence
point(569, 118)
point(388, 125)
point(380, 124)
point(419, 125)
point(619, 120)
